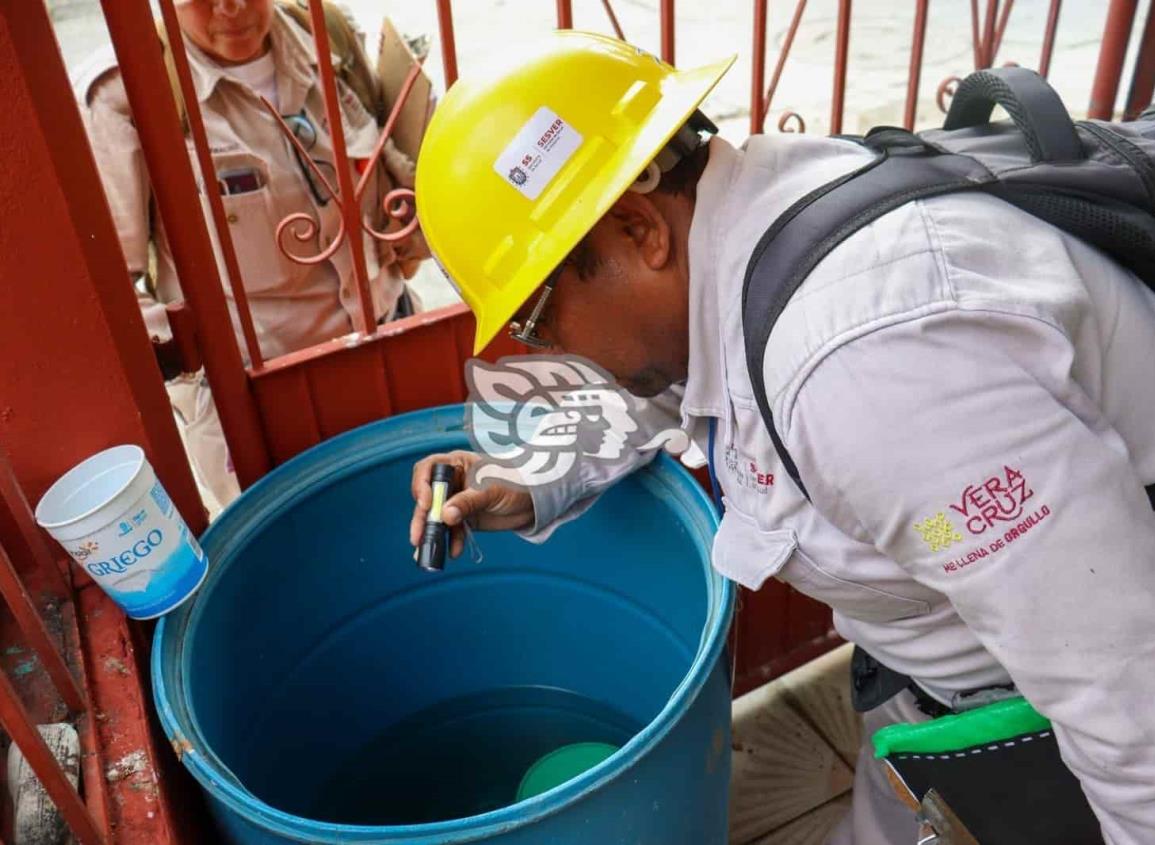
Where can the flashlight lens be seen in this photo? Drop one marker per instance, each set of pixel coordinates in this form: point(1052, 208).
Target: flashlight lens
point(440, 488)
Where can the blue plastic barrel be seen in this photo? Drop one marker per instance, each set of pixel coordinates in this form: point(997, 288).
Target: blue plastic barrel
point(325, 690)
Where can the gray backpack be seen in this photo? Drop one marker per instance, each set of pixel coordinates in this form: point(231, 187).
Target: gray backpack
point(1093, 179)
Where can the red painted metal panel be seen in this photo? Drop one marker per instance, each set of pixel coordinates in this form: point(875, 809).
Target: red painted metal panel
point(440, 378)
point(406, 365)
point(347, 389)
point(78, 373)
point(778, 629)
point(286, 409)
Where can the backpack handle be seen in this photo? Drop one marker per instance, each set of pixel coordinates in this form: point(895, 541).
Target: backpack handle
point(1032, 104)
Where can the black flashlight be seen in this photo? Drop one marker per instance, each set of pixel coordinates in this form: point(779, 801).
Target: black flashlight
point(435, 541)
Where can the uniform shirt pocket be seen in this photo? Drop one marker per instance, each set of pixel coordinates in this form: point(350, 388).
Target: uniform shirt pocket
point(746, 553)
point(244, 182)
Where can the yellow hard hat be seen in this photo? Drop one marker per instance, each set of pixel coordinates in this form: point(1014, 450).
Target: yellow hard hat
point(522, 159)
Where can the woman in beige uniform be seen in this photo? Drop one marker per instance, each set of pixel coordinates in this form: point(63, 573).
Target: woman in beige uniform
point(239, 51)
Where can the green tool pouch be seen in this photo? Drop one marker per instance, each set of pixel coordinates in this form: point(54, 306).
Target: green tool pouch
point(998, 769)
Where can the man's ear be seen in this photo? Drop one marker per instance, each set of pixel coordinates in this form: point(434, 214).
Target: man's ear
point(639, 219)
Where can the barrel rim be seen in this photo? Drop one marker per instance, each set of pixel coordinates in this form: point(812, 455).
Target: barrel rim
point(431, 425)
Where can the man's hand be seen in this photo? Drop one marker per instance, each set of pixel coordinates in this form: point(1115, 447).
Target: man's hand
point(494, 508)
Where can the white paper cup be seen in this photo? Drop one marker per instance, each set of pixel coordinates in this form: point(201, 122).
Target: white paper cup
point(116, 520)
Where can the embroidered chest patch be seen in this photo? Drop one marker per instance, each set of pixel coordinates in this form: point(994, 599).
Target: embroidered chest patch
point(993, 513)
point(747, 473)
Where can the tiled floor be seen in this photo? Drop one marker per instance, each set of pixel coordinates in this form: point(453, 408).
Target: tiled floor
point(795, 745)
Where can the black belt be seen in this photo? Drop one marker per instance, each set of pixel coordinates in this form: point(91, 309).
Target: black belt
point(874, 683)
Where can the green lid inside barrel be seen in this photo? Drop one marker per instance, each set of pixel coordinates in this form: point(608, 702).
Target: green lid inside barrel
point(562, 765)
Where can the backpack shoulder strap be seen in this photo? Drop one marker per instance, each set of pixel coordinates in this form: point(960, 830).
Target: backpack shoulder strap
point(814, 225)
point(173, 79)
point(352, 64)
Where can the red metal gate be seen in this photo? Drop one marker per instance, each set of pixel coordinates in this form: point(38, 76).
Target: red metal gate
point(273, 409)
point(77, 374)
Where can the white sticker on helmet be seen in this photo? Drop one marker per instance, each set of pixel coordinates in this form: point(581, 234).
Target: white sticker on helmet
point(538, 151)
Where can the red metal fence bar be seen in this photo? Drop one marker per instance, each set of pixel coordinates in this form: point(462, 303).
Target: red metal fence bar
point(1004, 19)
point(841, 55)
point(667, 26)
point(448, 44)
point(162, 140)
point(365, 320)
point(209, 177)
point(787, 45)
point(988, 44)
point(758, 68)
point(565, 14)
point(19, 725)
point(1112, 53)
point(977, 45)
point(1049, 38)
point(613, 19)
point(917, 44)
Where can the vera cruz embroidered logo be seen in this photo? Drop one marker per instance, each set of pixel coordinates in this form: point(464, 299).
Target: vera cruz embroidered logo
point(995, 509)
point(938, 532)
point(1000, 498)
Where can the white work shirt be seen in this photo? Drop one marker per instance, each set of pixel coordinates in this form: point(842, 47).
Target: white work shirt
point(968, 395)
